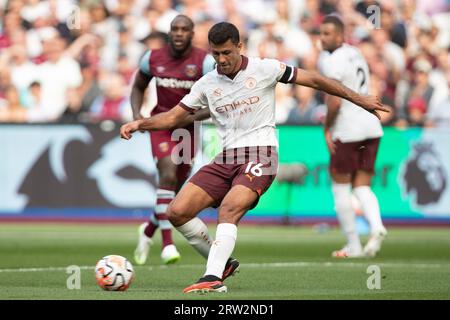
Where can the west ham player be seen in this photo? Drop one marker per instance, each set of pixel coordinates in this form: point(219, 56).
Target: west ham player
point(240, 94)
point(352, 136)
point(175, 68)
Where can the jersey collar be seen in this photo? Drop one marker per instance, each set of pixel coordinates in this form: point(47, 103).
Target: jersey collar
point(243, 66)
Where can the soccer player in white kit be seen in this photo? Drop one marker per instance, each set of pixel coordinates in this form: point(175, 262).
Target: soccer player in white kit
point(352, 136)
point(240, 95)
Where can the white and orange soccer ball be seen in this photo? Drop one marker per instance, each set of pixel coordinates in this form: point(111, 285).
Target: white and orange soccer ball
point(114, 273)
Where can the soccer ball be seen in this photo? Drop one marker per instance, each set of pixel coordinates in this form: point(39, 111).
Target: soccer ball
point(114, 273)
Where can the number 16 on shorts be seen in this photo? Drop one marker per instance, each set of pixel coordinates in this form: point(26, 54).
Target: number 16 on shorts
point(255, 170)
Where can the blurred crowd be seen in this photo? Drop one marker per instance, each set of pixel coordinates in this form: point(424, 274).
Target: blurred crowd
point(73, 61)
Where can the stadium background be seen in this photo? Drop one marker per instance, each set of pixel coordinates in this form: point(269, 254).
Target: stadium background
point(65, 73)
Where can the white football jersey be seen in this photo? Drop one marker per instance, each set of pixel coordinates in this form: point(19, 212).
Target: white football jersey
point(347, 65)
point(243, 108)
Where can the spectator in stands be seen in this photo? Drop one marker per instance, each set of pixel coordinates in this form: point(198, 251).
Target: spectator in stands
point(308, 110)
point(107, 38)
point(23, 71)
point(5, 79)
point(201, 33)
point(197, 10)
point(378, 66)
point(355, 22)
point(438, 77)
point(417, 99)
point(32, 97)
point(377, 88)
point(57, 75)
point(86, 49)
point(391, 53)
point(128, 48)
point(285, 102)
point(10, 24)
point(268, 42)
point(155, 39)
point(165, 14)
point(439, 115)
point(113, 104)
point(395, 28)
point(81, 99)
point(11, 110)
point(102, 23)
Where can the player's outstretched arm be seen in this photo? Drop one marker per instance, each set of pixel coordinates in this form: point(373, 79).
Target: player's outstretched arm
point(174, 118)
point(333, 105)
point(317, 81)
point(140, 84)
point(198, 115)
point(201, 114)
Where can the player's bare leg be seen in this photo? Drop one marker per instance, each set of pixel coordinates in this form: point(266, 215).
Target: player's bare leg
point(371, 210)
point(235, 204)
point(183, 211)
point(188, 203)
point(341, 187)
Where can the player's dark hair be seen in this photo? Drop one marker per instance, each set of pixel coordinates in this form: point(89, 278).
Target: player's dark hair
point(334, 20)
point(222, 32)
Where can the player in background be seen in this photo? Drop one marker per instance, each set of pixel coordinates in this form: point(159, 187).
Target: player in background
point(352, 136)
point(175, 67)
point(240, 94)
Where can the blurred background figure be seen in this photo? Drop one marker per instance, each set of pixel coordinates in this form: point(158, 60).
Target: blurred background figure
point(11, 110)
point(155, 40)
point(58, 74)
point(419, 93)
point(111, 35)
point(113, 103)
point(438, 115)
point(377, 87)
point(308, 109)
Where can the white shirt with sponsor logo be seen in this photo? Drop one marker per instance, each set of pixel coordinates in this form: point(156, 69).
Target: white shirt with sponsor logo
point(347, 65)
point(243, 108)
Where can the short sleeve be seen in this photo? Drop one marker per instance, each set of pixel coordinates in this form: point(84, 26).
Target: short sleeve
point(209, 64)
point(280, 71)
point(144, 64)
point(196, 99)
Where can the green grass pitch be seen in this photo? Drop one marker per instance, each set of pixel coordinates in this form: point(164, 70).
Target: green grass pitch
point(276, 263)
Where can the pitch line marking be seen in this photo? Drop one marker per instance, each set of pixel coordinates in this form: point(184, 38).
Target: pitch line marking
point(259, 265)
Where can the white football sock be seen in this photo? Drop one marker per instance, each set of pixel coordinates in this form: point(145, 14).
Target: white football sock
point(345, 213)
point(196, 233)
point(221, 249)
point(370, 207)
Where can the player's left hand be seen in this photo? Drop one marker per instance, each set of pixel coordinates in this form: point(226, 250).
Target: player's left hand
point(127, 129)
point(329, 141)
point(372, 104)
